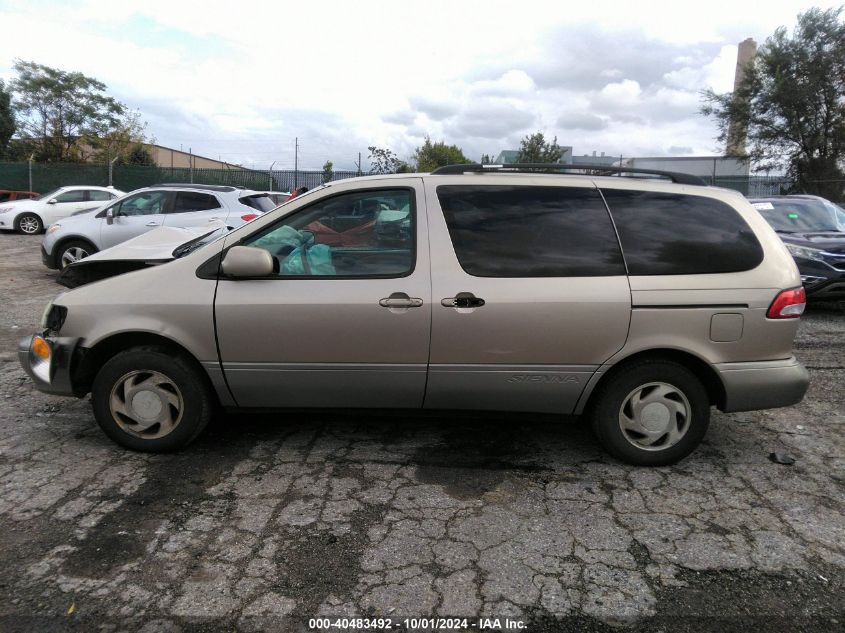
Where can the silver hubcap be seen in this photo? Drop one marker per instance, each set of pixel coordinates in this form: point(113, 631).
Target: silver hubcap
point(655, 416)
point(146, 404)
point(73, 255)
point(29, 224)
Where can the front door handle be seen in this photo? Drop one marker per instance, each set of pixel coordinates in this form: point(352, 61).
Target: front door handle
point(153, 224)
point(462, 300)
point(400, 300)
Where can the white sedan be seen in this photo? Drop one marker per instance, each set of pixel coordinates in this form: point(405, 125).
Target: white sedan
point(32, 216)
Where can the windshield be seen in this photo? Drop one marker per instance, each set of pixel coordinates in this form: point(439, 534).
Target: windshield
point(800, 216)
point(260, 202)
point(200, 242)
point(47, 196)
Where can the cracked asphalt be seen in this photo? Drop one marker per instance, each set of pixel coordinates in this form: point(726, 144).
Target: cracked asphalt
point(268, 521)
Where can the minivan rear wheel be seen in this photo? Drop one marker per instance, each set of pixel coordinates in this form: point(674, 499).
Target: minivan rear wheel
point(651, 413)
point(149, 399)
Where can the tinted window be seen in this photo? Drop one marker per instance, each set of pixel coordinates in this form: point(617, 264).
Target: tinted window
point(673, 234)
point(5, 195)
point(99, 196)
point(72, 196)
point(364, 234)
point(147, 203)
point(192, 201)
point(507, 231)
point(261, 202)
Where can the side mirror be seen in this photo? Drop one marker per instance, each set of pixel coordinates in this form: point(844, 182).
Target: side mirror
point(52, 201)
point(248, 261)
point(110, 216)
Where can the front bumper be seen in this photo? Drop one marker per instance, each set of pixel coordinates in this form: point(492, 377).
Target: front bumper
point(822, 282)
point(47, 259)
point(763, 384)
point(57, 376)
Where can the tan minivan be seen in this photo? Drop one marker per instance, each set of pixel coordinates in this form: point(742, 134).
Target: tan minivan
point(638, 301)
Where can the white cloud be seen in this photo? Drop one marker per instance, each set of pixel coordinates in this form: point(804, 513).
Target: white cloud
point(241, 81)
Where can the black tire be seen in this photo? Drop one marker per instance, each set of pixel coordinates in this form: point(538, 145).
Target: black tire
point(186, 381)
point(607, 407)
point(80, 245)
point(26, 220)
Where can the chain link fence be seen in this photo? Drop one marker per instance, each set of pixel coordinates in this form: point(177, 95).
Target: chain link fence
point(49, 176)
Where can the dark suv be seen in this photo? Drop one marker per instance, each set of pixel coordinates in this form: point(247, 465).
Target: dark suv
point(813, 230)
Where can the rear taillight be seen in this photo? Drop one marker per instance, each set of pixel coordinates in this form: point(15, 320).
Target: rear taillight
point(789, 304)
point(249, 216)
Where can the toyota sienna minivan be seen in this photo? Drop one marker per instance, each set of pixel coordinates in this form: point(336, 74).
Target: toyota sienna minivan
point(640, 302)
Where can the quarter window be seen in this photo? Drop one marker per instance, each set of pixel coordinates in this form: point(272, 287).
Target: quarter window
point(521, 231)
point(674, 234)
point(192, 201)
point(95, 195)
point(364, 234)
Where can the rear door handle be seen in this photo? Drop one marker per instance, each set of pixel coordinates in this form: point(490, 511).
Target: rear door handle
point(400, 300)
point(462, 300)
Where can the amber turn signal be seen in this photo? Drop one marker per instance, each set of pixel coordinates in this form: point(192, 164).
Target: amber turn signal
point(40, 348)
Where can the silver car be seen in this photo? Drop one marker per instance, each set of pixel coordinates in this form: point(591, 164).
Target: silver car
point(142, 210)
point(640, 303)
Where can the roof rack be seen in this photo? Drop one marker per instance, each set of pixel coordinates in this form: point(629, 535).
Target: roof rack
point(676, 177)
point(194, 185)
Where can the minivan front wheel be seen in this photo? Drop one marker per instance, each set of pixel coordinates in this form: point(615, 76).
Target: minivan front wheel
point(651, 413)
point(149, 399)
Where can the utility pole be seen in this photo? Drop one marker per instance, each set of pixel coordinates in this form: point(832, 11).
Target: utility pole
point(191, 162)
point(358, 164)
point(296, 163)
point(31, 158)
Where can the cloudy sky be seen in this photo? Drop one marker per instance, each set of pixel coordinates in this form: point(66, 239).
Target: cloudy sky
point(241, 80)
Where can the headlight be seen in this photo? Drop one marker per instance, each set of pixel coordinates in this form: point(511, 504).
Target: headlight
point(53, 318)
point(6, 209)
point(40, 358)
point(805, 252)
point(53, 228)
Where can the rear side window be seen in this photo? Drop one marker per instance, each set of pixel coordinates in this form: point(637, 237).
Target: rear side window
point(674, 234)
point(5, 195)
point(77, 195)
point(99, 196)
point(192, 201)
point(522, 231)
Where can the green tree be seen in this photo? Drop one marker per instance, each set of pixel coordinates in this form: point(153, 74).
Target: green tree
point(791, 103)
point(328, 171)
point(535, 149)
point(123, 139)
point(59, 111)
point(384, 161)
point(486, 159)
point(7, 119)
point(429, 156)
point(137, 154)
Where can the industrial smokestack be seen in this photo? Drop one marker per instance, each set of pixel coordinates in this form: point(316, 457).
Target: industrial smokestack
point(745, 54)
